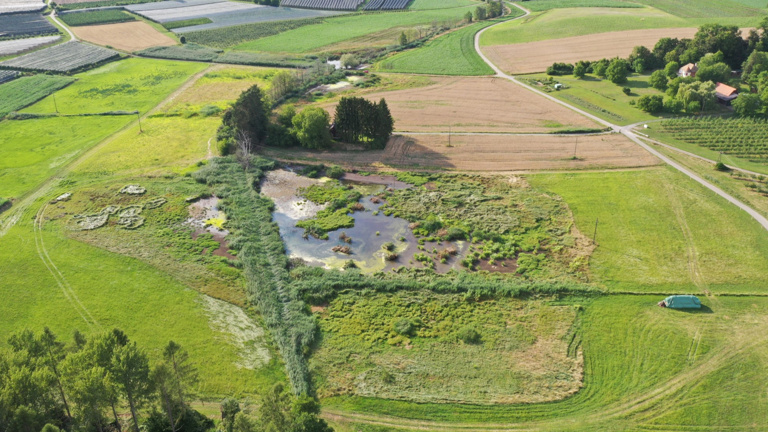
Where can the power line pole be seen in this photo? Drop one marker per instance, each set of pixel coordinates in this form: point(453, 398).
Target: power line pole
point(138, 116)
point(594, 236)
point(449, 136)
point(54, 103)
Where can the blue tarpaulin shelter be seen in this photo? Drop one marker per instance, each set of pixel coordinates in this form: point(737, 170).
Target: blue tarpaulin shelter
point(682, 302)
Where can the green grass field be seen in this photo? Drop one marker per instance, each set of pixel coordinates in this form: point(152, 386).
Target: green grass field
point(603, 98)
point(128, 85)
point(337, 29)
point(543, 5)
point(116, 291)
point(459, 46)
point(664, 370)
point(440, 4)
point(25, 91)
point(561, 23)
point(709, 8)
point(656, 233)
point(24, 164)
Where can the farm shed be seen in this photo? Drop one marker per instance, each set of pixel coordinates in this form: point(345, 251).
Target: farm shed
point(681, 302)
point(688, 70)
point(725, 94)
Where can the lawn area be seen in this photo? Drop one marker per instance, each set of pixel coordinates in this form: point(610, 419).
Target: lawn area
point(656, 232)
point(561, 23)
point(441, 4)
point(113, 290)
point(127, 85)
point(337, 29)
point(602, 97)
point(625, 362)
point(709, 8)
point(58, 140)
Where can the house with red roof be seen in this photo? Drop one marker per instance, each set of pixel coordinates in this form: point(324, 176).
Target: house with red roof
point(688, 70)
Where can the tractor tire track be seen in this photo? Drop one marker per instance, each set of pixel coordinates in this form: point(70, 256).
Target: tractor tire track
point(61, 281)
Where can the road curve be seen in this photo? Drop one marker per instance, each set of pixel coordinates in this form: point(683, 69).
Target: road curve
point(626, 130)
point(61, 24)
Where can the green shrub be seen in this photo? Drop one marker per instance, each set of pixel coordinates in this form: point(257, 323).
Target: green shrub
point(404, 327)
point(469, 336)
point(334, 172)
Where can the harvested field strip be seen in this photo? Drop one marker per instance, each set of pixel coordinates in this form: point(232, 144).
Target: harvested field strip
point(533, 57)
point(131, 36)
point(476, 105)
point(491, 153)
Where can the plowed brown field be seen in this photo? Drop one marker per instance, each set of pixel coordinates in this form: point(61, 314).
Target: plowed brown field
point(130, 36)
point(493, 153)
point(537, 56)
point(464, 104)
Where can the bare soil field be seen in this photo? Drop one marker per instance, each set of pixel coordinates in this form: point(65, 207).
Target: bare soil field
point(464, 104)
point(533, 57)
point(489, 153)
point(130, 36)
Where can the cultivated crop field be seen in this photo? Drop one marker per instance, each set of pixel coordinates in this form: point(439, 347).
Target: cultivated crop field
point(67, 57)
point(27, 90)
point(744, 138)
point(108, 16)
point(13, 26)
point(18, 46)
point(15, 6)
point(533, 57)
point(130, 36)
point(475, 105)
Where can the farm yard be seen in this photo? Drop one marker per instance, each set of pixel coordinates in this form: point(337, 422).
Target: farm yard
point(531, 57)
point(476, 105)
point(67, 57)
point(413, 243)
point(130, 36)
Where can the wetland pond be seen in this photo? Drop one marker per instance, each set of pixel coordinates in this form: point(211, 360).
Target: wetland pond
point(372, 229)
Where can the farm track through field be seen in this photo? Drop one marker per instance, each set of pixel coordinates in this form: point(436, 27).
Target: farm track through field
point(18, 209)
point(61, 24)
point(61, 281)
point(693, 254)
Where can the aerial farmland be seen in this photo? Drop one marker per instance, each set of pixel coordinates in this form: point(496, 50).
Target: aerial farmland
point(383, 215)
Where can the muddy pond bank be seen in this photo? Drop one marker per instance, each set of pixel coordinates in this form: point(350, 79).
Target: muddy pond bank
point(366, 240)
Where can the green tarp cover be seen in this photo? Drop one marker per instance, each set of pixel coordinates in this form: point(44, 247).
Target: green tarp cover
point(683, 302)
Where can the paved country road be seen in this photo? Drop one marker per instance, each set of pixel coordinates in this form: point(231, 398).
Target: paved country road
point(625, 130)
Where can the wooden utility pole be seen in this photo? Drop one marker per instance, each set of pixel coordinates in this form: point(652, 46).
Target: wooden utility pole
point(575, 147)
point(54, 103)
point(449, 136)
point(138, 116)
point(594, 236)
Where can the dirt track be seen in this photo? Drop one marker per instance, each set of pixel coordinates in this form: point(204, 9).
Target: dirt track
point(537, 56)
point(467, 104)
point(495, 153)
point(130, 36)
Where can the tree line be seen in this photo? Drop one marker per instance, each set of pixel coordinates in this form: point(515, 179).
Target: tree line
point(717, 50)
point(85, 385)
point(250, 123)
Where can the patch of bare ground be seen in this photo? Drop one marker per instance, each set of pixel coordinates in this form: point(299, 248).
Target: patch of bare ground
point(490, 153)
point(476, 104)
point(130, 36)
point(533, 57)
